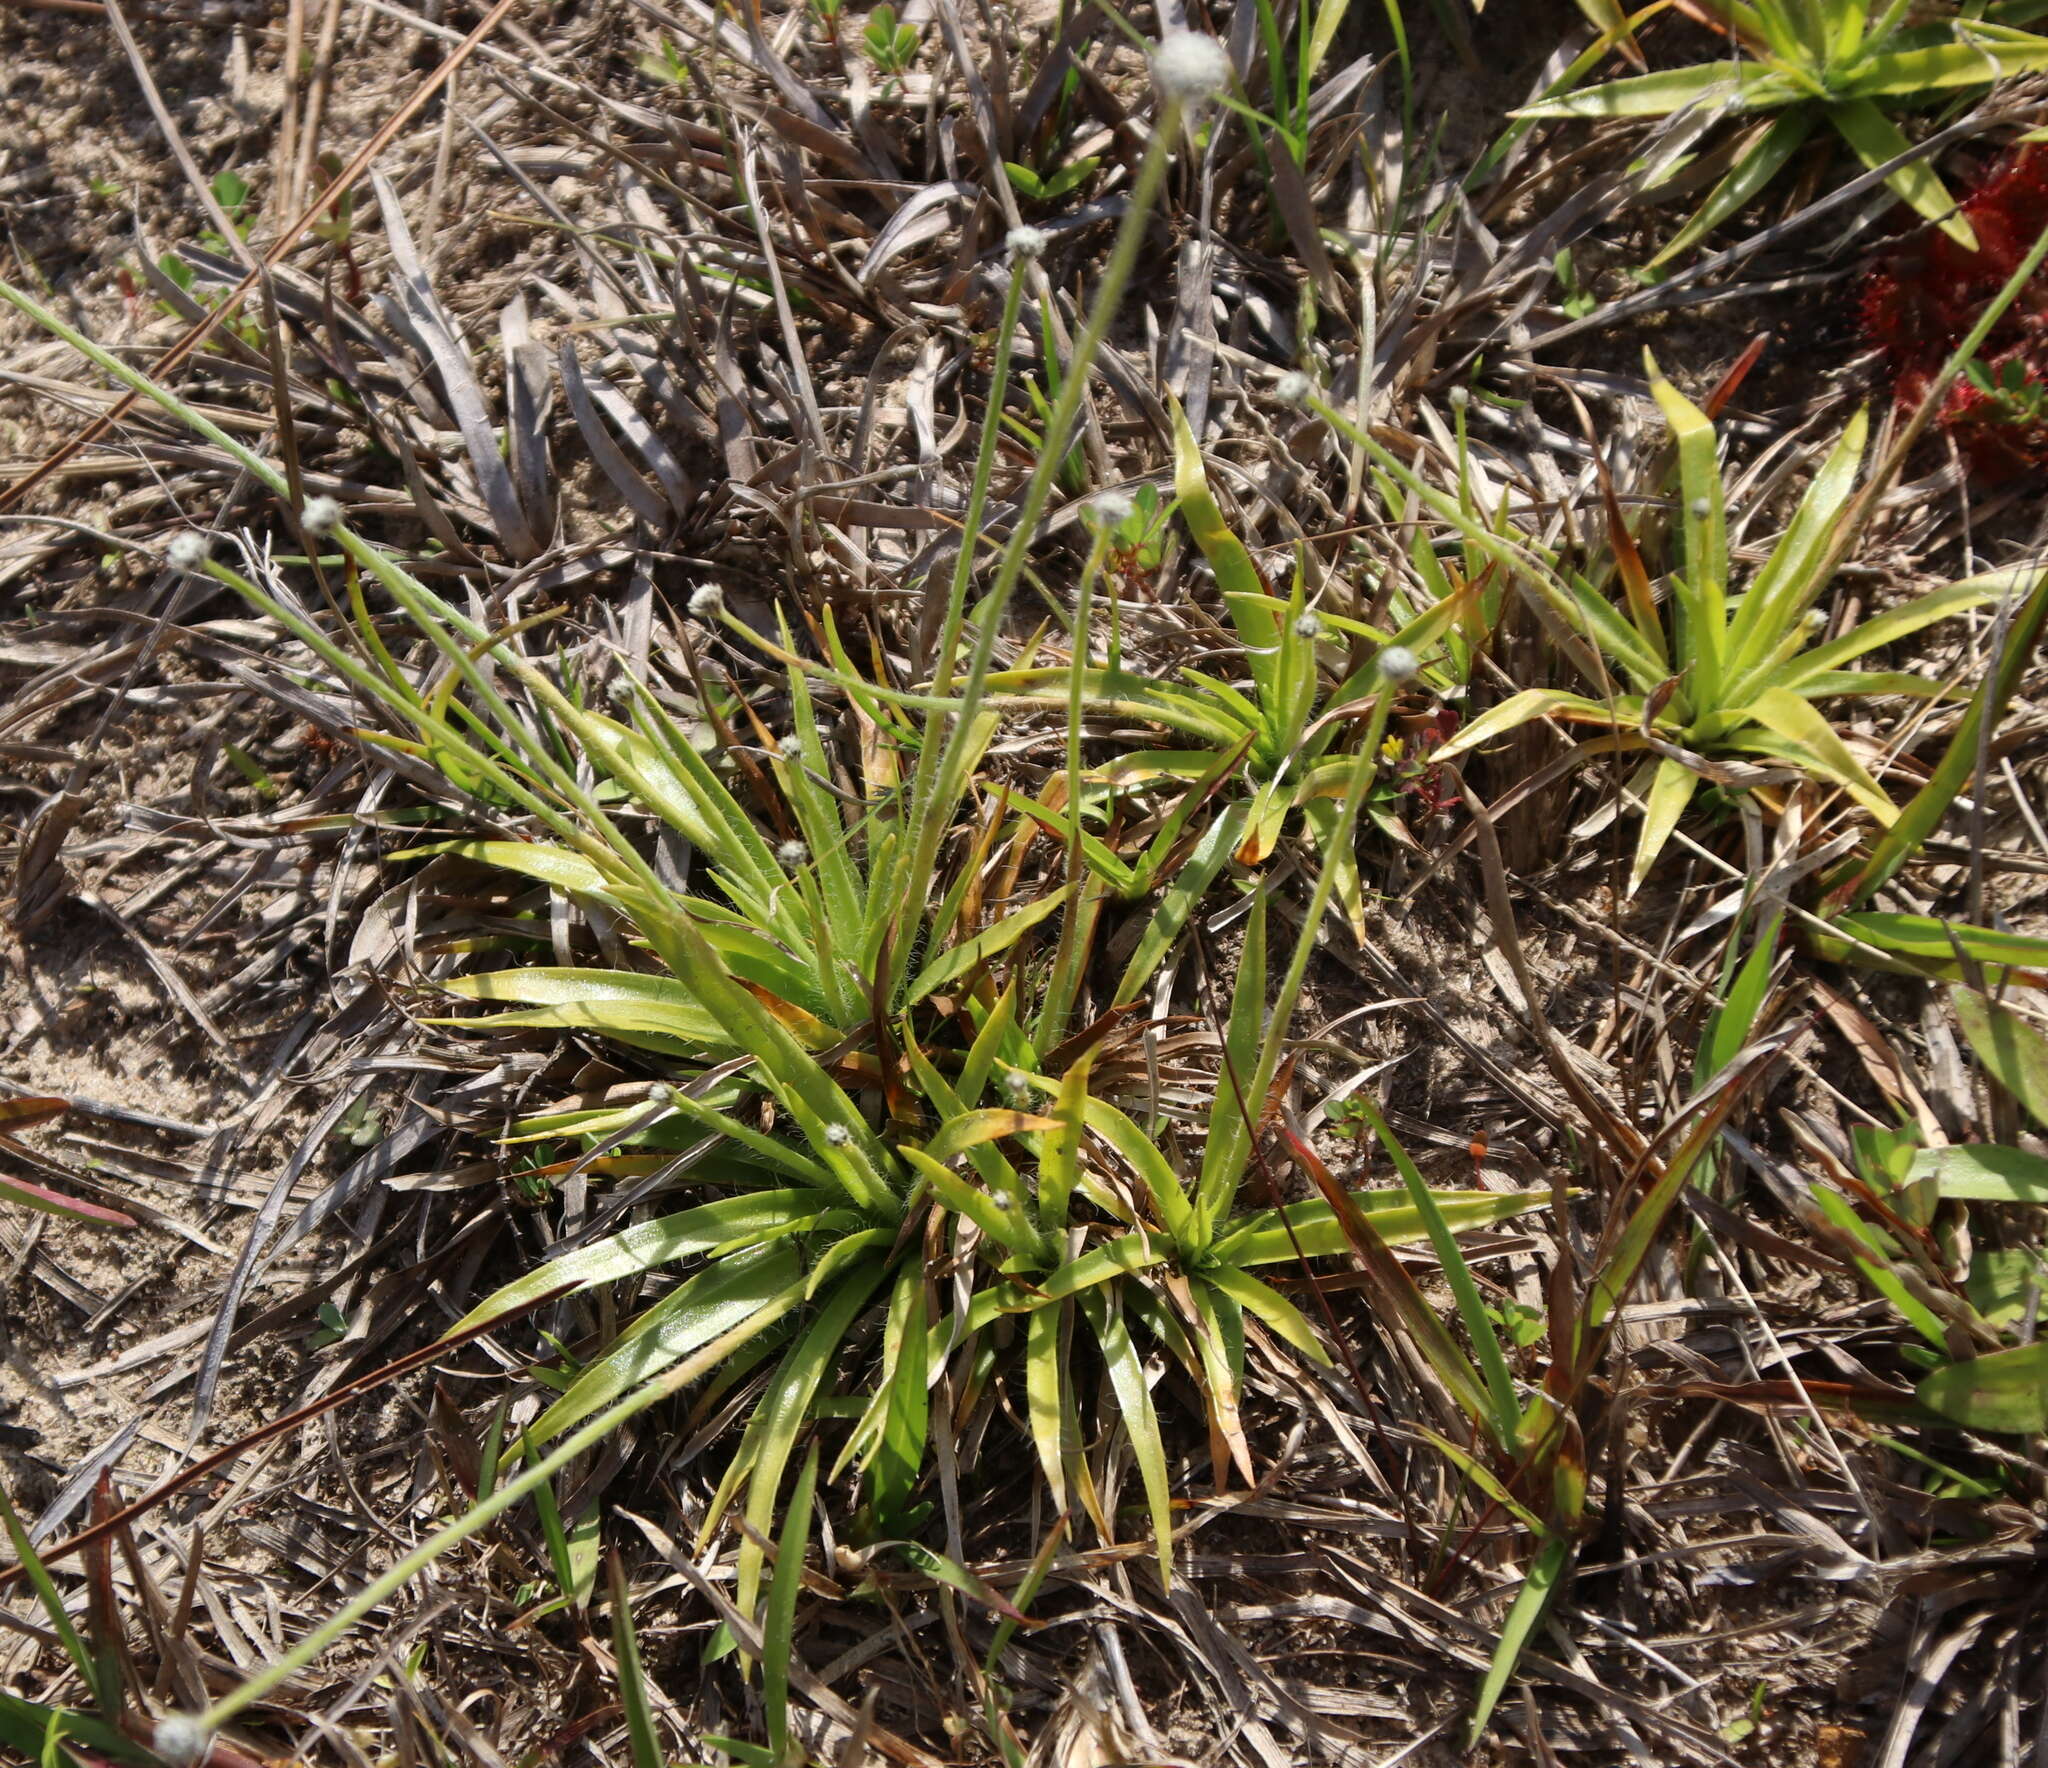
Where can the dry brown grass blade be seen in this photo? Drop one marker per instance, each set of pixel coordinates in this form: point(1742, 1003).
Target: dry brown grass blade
point(224, 1456)
point(276, 254)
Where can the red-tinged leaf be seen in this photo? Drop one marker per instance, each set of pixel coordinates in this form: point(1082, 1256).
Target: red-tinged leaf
point(1738, 372)
point(1863, 1400)
point(25, 1114)
point(1635, 578)
point(1395, 1294)
point(55, 1203)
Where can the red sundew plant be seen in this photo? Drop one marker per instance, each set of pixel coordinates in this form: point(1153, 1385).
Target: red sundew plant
point(1920, 302)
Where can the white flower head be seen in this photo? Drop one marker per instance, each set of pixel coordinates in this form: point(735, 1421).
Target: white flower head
point(1701, 509)
point(1293, 388)
point(837, 1135)
point(181, 1739)
point(1460, 398)
point(661, 1093)
point(187, 551)
point(1026, 242)
point(707, 601)
point(320, 516)
point(1398, 663)
point(1015, 1084)
point(1111, 507)
point(1308, 625)
point(1190, 68)
point(791, 854)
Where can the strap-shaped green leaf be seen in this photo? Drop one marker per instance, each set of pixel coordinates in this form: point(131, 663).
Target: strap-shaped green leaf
point(1002, 1225)
point(756, 1288)
point(1791, 581)
point(1113, 1259)
point(906, 1405)
point(1761, 161)
point(778, 1617)
point(1266, 1303)
point(568, 985)
point(1672, 786)
point(1806, 736)
point(1806, 671)
point(1946, 67)
point(1244, 589)
point(566, 871)
point(1701, 589)
point(1234, 1117)
point(1139, 1419)
point(781, 1416)
point(1875, 140)
point(1533, 703)
point(990, 1123)
point(1311, 1230)
point(1985, 1172)
point(647, 1246)
point(956, 961)
point(1155, 1172)
point(1659, 94)
point(1044, 1397)
point(1179, 900)
point(1118, 691)
point(1531, 1601)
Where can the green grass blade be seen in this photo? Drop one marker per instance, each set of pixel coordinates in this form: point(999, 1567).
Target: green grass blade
point(1234, 1116)
point(641, 1738)
point(1958, 764)
point(778, 1622)
point(1791, 579)
point(1672, 786)
point(1500, 1381)
point(647, 1246)
point(1781, 139)
point(731, 1302)
point(2012, 1051)
point(1875, 140)
point(31, 1563)
point(1529, 1605)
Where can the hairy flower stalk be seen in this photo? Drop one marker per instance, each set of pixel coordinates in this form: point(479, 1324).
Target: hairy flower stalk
point(934, 787)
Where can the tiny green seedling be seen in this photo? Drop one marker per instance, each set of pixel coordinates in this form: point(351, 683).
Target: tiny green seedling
point(232, 191)
point(665, 64)
point(2014, 393)
point(1050, 187)
point(1577, 301)
point(891, 46)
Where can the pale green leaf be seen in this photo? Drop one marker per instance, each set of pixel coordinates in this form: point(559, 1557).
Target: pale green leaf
point(1659, 94)
point(758, 1288)
point(956, 961)
point(1876, 140)
point(1985, 1172)
point(1671, 789)
point(647, 1246)
point(2006, 1392)
point(2013, 1052)
point(1139, 1419)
